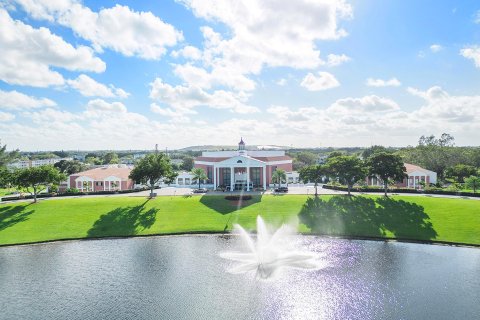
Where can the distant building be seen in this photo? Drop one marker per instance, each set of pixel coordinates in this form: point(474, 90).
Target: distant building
point(416, 176)
point(140, 155)
point(242, 169)
point(36, 163)
point(185, 179)
point(106, 178)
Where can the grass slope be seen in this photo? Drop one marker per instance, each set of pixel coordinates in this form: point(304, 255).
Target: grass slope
point(421, 218)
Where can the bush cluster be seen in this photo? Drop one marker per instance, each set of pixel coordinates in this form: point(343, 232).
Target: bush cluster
point(238, 197)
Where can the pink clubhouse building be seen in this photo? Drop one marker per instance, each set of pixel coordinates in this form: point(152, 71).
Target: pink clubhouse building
point(242, 169)
point(108, 178)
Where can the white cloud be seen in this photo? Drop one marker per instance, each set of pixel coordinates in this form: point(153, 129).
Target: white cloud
point(432, 94)
point(436, 48)
point(346, 122)
point(88, 87)
point(199, 77)
point(370, 103)
point(444, 109)
point(263, 33)
point(118, 28)
point(5, 116)
point(472, 52)
point(27, 55)
point(393, 82)
point(185, 98)
point(15, 100)
point(476, 18)
point(281, 82)
point(323, 81)
point(188, 52)
point(99, 105)
point(50, 115)
point(334, 60)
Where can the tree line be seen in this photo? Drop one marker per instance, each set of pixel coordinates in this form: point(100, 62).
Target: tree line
point(350, 170)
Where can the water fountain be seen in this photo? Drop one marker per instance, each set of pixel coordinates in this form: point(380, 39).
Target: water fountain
point(270, 253)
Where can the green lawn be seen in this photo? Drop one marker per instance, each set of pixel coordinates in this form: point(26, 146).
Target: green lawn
point(407, 217)
point(4, 192)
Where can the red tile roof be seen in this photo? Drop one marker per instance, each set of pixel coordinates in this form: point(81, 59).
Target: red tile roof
point(101, 173)
point(411, 168)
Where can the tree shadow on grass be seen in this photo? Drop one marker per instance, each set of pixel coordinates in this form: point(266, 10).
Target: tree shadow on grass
point(11, 215)
point(124, 221)
point(224, 206)
point(371, 217)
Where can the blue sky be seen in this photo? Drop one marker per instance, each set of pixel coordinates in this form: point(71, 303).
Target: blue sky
point(129, 74)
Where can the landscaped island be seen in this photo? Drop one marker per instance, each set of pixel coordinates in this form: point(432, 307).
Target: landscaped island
point(403, 217)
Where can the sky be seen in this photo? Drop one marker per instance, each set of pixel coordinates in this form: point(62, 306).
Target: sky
point(119, 75)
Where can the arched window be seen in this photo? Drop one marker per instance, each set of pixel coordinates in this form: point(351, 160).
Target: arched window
point(239, 161)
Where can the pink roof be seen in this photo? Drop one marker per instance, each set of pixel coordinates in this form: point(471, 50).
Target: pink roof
point(105, 172)
point(412, 168)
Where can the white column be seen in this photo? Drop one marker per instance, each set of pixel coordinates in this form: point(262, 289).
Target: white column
point(264, 169)
point(103, 185)
point(408, 181)
point(414, 182)
point(248, 177)
point(231, 178)
point(214, 177)
point(120, 185)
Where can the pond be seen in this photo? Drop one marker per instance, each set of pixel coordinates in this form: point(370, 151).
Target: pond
point(182, 277)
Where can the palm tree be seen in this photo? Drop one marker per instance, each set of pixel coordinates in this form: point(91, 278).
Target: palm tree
point(199, 174)
point(278, 176)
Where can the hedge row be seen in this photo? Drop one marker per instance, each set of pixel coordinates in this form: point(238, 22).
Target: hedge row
point(70, 194)
point(238, 197)
point(404, 190)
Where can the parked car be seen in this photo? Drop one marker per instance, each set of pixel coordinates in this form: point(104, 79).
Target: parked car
point(281, 189)
point(200, 190)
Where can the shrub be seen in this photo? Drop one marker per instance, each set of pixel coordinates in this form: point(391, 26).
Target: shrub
point(238, 197)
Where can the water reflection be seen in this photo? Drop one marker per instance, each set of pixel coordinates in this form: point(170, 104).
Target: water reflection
point(183, 277)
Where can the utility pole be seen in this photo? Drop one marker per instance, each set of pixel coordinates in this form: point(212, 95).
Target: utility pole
point(156, 148)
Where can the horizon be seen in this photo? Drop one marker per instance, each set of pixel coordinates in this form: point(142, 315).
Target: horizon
point(96, 75)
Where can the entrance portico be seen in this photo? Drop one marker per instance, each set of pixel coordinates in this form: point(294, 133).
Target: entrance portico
point(240, 169)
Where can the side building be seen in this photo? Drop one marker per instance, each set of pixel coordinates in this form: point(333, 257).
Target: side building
point(107, 178)
point(242, 169)
point(416, 176)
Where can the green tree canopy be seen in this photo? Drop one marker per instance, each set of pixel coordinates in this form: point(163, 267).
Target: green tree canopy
point(387, 167)
point(111, 158)
point(187, 163)
point(151, 168)
point(372, 150)
point(199, 175)
point(93, 160)
point(433, 154)
point(7, 157)
point(472, 182)
point(335, 154)
point(314, 174)
point(460, 171)
point(37, 178)
point(69, 166)
point(348, 169)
